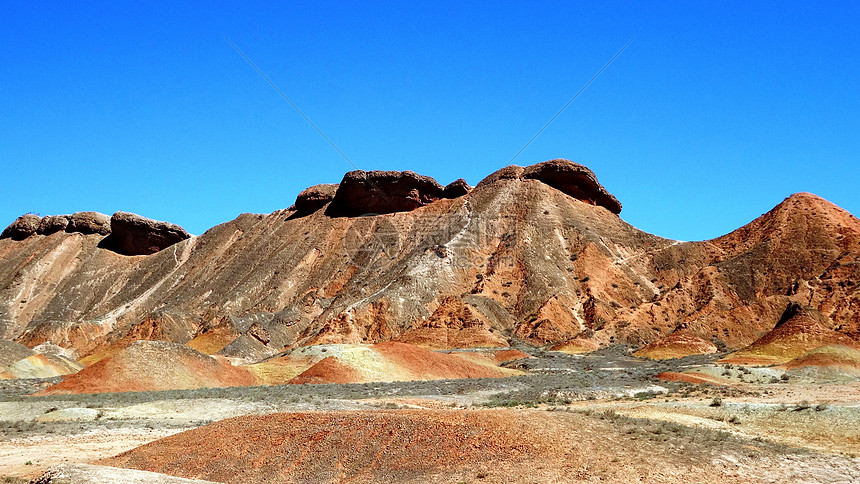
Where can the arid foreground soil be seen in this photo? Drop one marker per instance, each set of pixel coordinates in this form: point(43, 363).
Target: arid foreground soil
point(600, 417)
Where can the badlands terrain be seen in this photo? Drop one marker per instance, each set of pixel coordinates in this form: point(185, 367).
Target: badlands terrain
point(392, 329)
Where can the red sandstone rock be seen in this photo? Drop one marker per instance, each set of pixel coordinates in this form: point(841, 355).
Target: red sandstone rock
point(53, 224)
point(23, 227)
point(89, 223)
point(314, 198)
point(132, 234)
point(376, 192)
point(456, 188)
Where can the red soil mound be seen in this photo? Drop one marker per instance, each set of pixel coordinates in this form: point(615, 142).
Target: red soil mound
point(443, 446)
point(103, 352)
point(152, 365)
point(403, 446)
point(329, 370)
point(428, 365)
point(676, 345)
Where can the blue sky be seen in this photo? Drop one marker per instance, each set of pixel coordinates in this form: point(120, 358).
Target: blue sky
point(715, 113)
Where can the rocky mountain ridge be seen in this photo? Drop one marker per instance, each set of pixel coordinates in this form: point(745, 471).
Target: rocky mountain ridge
point(535, 254)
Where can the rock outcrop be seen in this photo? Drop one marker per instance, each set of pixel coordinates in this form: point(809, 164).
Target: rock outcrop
point(80, 222)
point(132, 234)
point(128, 234)
point(571, 178)
point(456, 188)
point(377, 192)
point(23, 227)
point(89, 223)
point(575, 180)
point(53, 224)
point(314, 198)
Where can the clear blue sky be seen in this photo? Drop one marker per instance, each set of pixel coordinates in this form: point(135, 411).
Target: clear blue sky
point(712, 116)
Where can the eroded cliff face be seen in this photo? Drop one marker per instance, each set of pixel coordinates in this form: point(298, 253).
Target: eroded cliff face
point(513, 258)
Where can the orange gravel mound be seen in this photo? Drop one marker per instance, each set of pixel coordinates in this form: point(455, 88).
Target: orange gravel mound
point(394, 361)
point(676, 345)
point(799, 331)
point(152, 365)
point(382, 446)
point(503, 356)
point(329, 370)
point(437, 446)
point(433, 366)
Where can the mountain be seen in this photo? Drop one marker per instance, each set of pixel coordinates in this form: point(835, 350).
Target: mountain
point(536, 254)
